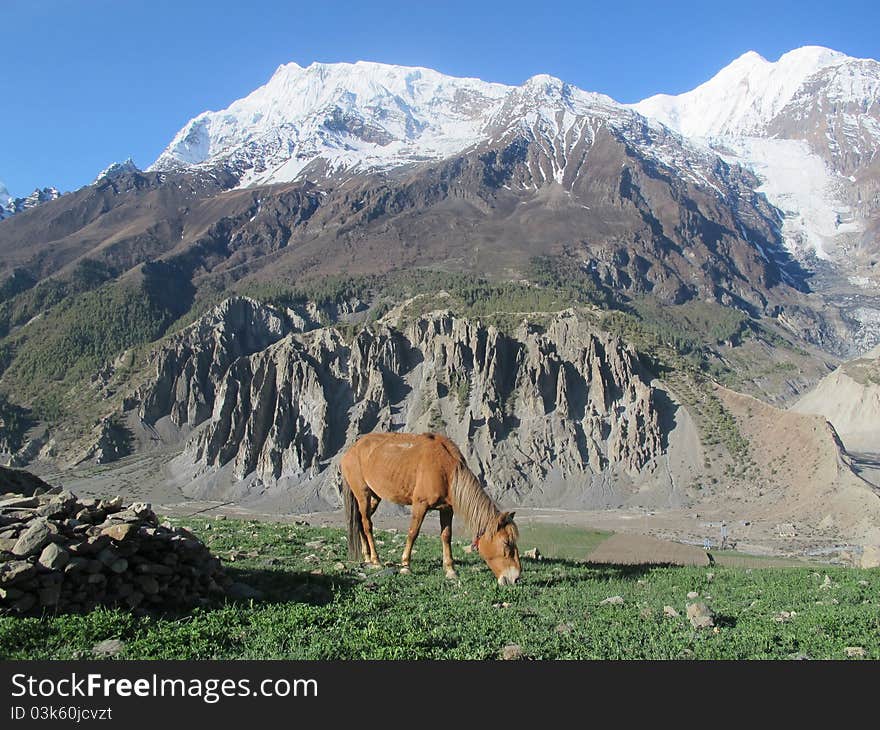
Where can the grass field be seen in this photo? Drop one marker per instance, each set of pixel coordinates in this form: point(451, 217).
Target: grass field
point(317, 607)
point(558, 541)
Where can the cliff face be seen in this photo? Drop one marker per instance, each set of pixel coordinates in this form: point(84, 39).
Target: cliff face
point(557, 403)
point(189, 368)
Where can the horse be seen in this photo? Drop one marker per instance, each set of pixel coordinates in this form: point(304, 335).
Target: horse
point(426, 471)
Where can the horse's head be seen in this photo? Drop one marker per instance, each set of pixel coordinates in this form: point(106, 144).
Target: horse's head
point(497, 546)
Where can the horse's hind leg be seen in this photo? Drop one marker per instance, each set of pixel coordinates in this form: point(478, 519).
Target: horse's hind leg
point(418, 515)
point(366, 512)
point(373, 500)
point(446, 541)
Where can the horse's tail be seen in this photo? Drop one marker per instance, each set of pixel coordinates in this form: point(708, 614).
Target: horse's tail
point(355, 527)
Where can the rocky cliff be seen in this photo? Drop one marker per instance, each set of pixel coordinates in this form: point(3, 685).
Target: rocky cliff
point(552, 405)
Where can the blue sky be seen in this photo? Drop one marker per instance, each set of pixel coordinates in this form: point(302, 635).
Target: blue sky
point(88, 82)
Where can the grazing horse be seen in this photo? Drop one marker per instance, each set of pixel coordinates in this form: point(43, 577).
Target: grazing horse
point(426, 471)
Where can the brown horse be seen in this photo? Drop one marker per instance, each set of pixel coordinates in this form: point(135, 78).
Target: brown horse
point(426, 471)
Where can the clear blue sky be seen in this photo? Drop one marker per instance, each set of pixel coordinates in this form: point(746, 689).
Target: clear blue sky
point(88, 82)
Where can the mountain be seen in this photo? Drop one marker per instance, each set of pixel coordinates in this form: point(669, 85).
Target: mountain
point(849, 398)
point(557, 280)
point(363, 167)
point(350, 116)
point(9, 206)
point(115, 169)
point(5, 200)
point(808, 125)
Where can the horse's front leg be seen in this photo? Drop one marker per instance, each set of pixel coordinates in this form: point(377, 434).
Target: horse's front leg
point(446, 541)
point(418, 515)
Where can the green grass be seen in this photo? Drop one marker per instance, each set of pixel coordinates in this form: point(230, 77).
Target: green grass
point(554, 612)
point(560, 541)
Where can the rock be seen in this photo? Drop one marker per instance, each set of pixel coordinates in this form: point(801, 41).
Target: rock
point(19, 501)
point(81, 565)
point(59, 506)
point(148, 584)
point(50, 595)
point(533, 554)
point(855, 652)
point(111, 505)
point(54, 557)
point(34, 538)
point(242, 591)
point(10, 594)
point(108, 648)
point(827, 584)
point(612, 600)
point(784, 616)
point(24, 603)
point(700, 616)
point(511, 652)
point(583, 400)
point(670, 612)
point(14, 571)
point(121, 531)
point(693, 594)
point(870, 557)
point(564, 628)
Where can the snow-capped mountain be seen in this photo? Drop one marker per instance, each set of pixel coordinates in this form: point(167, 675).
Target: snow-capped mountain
point(10, 206)
point(350, 116)
point(809, 126)
point(115, 169)
point(5, 200)
point(328, 119)
point(743, 98)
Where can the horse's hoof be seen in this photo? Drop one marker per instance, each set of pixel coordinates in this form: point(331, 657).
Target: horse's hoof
point(452, 575)
point(373, 566)
point(405, 570)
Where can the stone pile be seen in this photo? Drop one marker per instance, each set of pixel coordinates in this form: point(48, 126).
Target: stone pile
point(61, 554)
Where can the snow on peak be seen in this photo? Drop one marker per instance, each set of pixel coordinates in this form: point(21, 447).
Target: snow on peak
point(796, 123)
point(362, 116)
point(742, 98)
point(9, 205)
point(5, 202)
point(348, 113)
point(117, 168)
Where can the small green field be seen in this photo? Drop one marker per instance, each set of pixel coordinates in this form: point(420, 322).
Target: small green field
point(318, 607)
point(560, 541)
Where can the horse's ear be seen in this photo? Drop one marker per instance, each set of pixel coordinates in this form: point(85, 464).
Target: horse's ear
point(506, 518)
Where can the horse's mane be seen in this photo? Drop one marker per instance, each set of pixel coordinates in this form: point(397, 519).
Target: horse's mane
point(470, 502)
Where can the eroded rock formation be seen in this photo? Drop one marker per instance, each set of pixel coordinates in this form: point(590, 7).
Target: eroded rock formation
point(552, 401)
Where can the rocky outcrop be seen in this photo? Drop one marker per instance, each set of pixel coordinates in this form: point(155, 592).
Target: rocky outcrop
point(553, 402)
point(190, 367)
point(110, 441)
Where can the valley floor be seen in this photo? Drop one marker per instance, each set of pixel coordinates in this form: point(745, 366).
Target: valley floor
point(315, 605)
point(141, 478)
